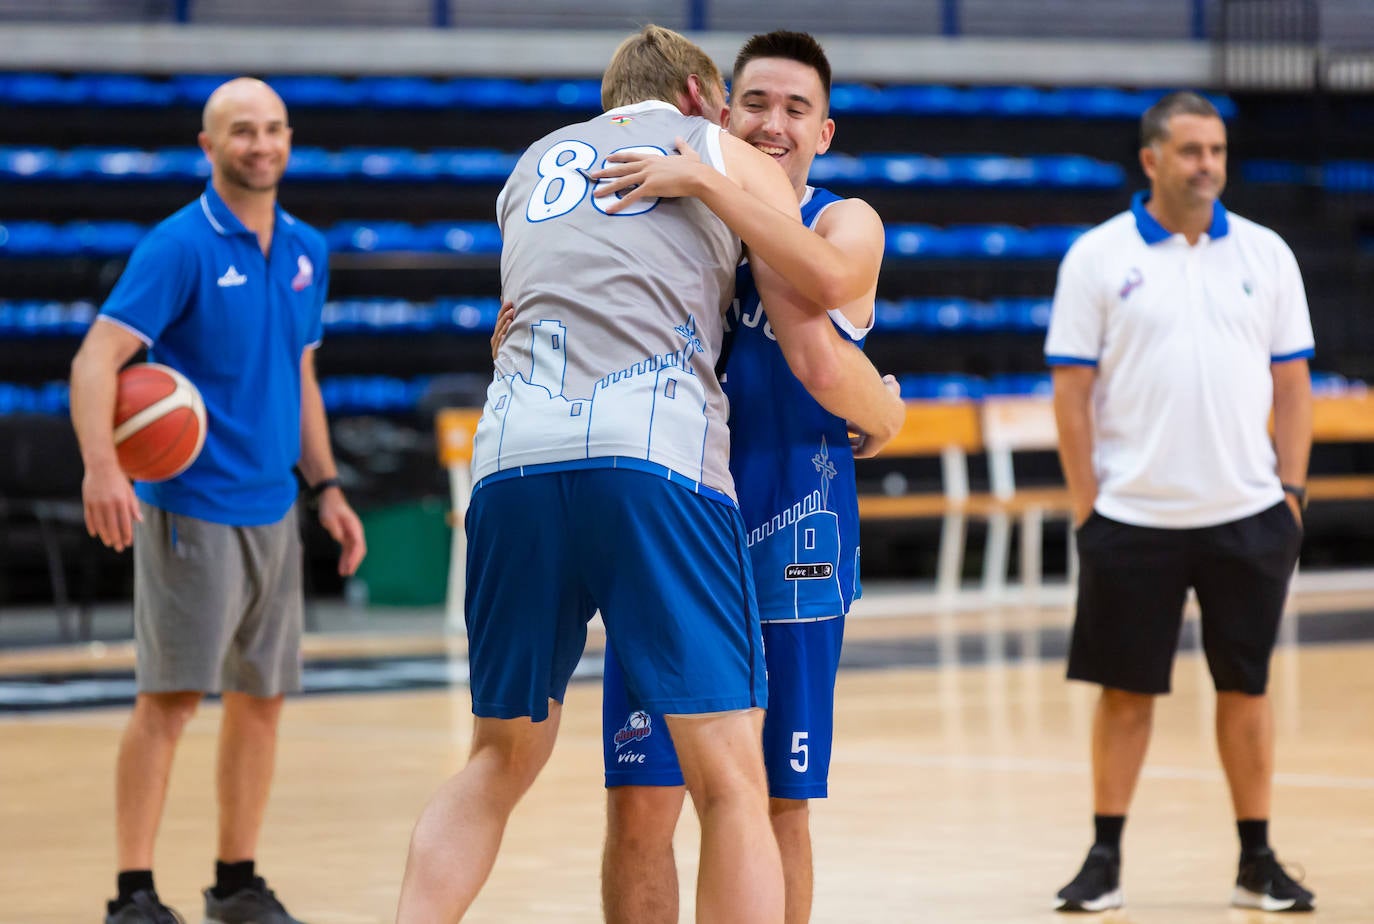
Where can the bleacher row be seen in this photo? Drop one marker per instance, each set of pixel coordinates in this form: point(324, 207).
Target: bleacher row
point(477, 315)
point(36, 164)
point(117, 238)
point(1054, 171)
point(115, 90)
point(1336, 176)
point(349, 395)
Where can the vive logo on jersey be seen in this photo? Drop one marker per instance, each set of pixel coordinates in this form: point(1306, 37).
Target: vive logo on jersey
point(630, 757)
point(817, 571)
point(231, 277)
point(636, 728)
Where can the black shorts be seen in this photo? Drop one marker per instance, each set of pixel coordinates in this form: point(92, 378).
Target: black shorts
point(1131, 588)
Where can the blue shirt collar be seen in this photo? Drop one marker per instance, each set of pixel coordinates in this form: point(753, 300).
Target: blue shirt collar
point(1153, 232)
point(224, 221)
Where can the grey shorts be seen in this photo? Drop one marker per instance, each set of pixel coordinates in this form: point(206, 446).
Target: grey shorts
point(217, 607)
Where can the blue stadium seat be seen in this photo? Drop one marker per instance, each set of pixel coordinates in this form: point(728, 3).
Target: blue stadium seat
point(1004, 242)
point(915, 240)
point(321, 92)
point(1026, 314)
point(129, 90)
point(1349, 176)
point(406, 93)
point(43, 90)
point(1076, 171)
point(105, 238)
point(946, 387)
point(1039, 384)
point(477, 315)
point(30, 238)
point(18, 163)
point(468, 237)
point(184, 164)
point(371, 237)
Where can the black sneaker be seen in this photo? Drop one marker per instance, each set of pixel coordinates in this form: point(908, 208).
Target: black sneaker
point(256, 904)
point(1097, 887)
point(1264, 884)
point(143, 909)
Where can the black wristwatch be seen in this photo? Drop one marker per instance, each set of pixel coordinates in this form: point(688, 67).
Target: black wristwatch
point(313, 492)
point(1299, 492)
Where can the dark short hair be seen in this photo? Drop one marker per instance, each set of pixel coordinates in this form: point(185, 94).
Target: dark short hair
point(794, 46)
point(1154, 124)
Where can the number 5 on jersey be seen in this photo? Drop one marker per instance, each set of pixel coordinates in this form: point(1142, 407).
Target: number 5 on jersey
point(801, 751)
point(563, 182)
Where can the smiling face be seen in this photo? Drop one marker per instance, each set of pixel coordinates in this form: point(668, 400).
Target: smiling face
point(1187, 167)
point(780, 107)
point(246, 136)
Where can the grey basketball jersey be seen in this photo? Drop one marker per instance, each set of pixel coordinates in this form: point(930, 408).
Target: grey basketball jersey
point(618, 325)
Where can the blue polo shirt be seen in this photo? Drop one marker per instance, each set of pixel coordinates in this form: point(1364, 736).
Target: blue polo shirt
point(199, 292)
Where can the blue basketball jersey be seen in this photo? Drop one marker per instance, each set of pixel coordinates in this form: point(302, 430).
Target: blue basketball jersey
point(792, 465)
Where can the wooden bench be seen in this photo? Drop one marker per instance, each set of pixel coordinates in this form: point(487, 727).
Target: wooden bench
point(999, 427)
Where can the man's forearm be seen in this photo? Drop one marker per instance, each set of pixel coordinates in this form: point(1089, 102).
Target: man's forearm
point(1073, 418)
point(317, 457)
point(93, 385)
point(813, 266)
point(1293, 433)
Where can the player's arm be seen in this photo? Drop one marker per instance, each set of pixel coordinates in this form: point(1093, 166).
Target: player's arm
point(1073, 391)
point(768, 220)
point(1292, 423)
point(317, 464)
point(106, 494)
point(835, 371)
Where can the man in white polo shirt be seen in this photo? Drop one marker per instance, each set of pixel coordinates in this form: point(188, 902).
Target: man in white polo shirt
point(1177, 329)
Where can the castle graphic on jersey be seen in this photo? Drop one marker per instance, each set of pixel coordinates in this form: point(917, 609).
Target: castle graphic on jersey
point(802, 544)
point(654, 409)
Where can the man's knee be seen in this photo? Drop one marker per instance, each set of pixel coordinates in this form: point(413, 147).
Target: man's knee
point(165, 714)
point(642, 816)
point(1127, 709)
point(517, 749)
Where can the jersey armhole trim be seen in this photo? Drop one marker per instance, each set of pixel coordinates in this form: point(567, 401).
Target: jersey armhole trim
point(841, 320)
point(713, 153)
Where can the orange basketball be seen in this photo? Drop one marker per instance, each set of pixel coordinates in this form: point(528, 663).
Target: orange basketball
point(159, 422)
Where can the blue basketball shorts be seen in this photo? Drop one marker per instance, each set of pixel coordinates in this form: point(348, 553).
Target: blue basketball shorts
point(803, 659)
point(668, 569)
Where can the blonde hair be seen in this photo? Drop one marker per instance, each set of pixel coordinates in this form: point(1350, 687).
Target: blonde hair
point(655, 64)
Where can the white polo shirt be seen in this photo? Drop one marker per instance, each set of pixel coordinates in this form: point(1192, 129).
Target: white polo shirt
point(1182, 337)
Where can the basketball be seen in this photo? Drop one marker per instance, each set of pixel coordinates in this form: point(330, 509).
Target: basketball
point(159, 422)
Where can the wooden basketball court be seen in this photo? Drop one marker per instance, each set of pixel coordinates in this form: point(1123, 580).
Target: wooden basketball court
point(959, 791)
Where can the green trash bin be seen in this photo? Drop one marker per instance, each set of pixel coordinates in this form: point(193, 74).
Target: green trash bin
point(407, 553)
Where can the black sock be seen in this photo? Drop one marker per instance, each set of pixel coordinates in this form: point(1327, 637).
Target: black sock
point(1108, 828)
point(1254, 835)
point(130, 881)
point(232, 877)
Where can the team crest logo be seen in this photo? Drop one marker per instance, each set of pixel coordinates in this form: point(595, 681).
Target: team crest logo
point(637, 727)
point(305, 273)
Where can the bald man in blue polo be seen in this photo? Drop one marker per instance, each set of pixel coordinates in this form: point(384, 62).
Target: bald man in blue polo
point(229, 291)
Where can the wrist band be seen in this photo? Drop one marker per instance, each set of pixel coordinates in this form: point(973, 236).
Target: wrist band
point(315, 490)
